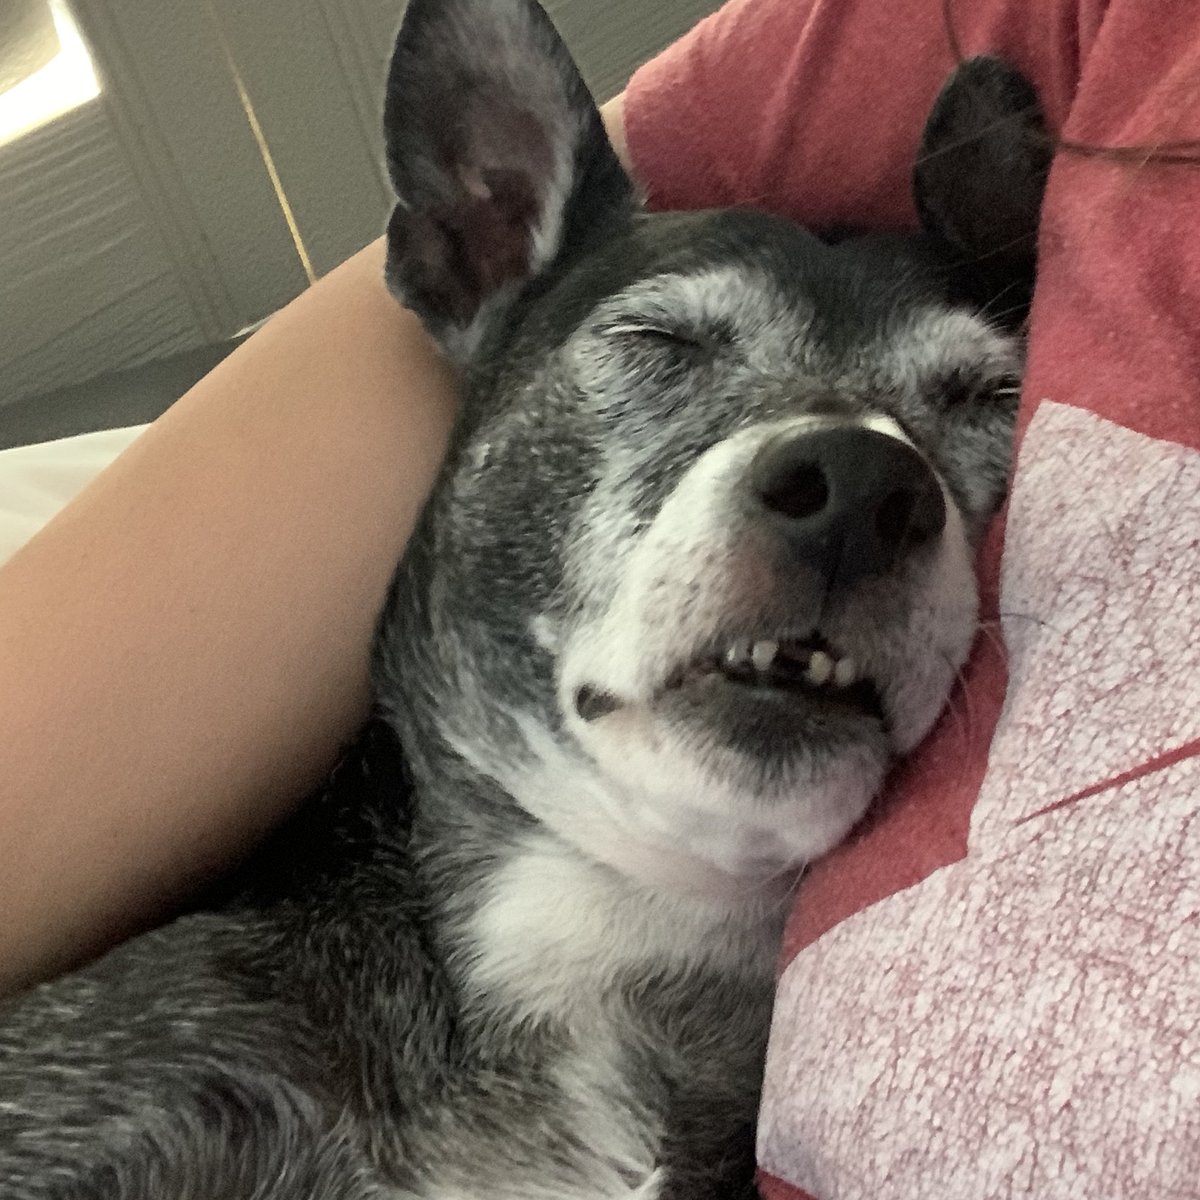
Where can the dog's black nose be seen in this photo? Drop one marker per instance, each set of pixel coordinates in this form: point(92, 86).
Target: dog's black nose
point(849, 500)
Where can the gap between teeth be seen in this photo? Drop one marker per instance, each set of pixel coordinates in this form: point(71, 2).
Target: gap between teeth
point(821, 668)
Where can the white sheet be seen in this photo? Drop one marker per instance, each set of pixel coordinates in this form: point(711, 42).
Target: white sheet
point(36, 481)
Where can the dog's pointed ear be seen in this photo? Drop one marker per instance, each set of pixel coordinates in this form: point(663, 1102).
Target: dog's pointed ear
point(981, 175)
point(499, 160)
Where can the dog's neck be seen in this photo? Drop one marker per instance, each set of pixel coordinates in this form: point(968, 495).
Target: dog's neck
point(569, 806)
point(543, 930)
point(672, 869)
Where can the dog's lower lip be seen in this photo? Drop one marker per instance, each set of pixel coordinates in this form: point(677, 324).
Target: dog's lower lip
point(782, 681)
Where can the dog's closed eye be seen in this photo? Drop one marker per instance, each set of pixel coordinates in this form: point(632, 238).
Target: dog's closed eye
point(962, 388)
point(663, 338)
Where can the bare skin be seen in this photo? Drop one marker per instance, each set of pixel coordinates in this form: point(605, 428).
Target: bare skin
point(184, 649)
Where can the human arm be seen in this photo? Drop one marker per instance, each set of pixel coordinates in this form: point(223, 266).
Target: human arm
point(184, 648)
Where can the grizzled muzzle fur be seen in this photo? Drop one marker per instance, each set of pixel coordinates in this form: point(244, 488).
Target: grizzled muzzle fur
point(698, 569)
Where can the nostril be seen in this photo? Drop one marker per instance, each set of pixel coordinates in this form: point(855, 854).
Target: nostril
point(894, 517)
point(908, 516)
point(800, 490)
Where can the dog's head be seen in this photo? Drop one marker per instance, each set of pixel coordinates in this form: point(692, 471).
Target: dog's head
point(700, 565)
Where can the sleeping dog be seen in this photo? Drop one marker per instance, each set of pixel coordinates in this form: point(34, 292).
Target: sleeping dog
point(698, 569)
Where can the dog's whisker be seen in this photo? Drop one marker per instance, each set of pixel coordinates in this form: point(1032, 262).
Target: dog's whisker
point(1032, 618)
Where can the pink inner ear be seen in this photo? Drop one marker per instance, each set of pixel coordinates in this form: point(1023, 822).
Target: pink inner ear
point(497, 164)
point(467, 250)
point(461, 252)
point(495, 230)
point(477, 165)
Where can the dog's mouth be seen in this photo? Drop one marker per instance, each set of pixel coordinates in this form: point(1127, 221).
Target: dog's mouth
point(807, 672)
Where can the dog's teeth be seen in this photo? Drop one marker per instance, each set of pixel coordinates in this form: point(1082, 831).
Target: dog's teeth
point(763, 654)
point(845, 672)
point(820, 668)
point(738, 653)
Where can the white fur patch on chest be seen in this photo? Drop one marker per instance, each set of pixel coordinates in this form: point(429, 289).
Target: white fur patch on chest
point(547, 941)
point(553, 938)
point(557, 930)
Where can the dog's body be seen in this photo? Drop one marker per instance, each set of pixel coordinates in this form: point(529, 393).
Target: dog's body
point(697, 571)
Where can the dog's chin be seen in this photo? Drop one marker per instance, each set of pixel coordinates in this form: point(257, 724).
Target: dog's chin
point(747, 781)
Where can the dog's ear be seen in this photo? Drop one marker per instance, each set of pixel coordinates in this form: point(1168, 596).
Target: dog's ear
point(981, 175)
point(499, 159)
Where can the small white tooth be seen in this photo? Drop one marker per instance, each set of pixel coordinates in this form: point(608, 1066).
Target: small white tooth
point(737, 653)
point(819, 669)
point(845, 672)
point(763, 654)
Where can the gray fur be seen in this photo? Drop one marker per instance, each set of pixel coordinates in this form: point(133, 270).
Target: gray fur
point(532, 956)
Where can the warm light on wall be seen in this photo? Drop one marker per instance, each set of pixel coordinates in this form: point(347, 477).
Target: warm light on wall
point(65, 82)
